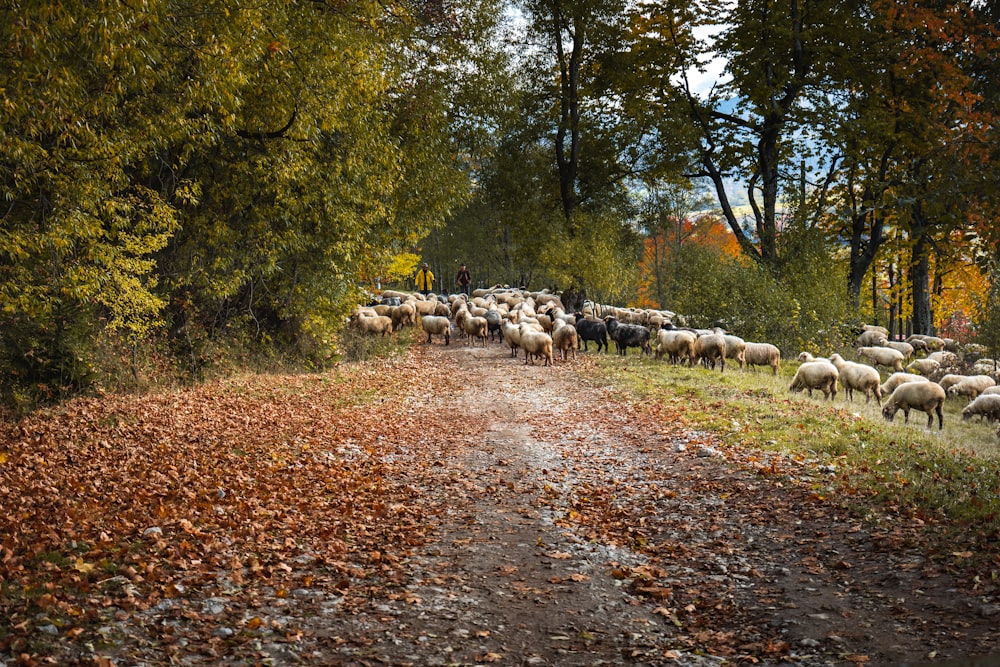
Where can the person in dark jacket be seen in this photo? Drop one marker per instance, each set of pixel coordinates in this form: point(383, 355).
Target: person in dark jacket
point(464, 280)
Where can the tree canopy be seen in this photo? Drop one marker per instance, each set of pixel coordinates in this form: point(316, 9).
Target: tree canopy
point(184, 177)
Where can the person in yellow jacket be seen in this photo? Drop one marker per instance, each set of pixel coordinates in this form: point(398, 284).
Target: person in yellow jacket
point(425, 280)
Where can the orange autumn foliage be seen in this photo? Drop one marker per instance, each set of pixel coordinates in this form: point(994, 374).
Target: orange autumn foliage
point(661, 246)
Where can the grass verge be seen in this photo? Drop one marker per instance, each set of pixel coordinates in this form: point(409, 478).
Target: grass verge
point(951, 477)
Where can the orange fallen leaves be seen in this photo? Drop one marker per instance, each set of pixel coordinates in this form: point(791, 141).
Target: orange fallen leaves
point(137, 499)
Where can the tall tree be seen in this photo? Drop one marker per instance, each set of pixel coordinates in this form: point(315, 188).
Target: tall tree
point(236, 162)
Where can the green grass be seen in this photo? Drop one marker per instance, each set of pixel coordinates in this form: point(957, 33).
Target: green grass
point(951, 476)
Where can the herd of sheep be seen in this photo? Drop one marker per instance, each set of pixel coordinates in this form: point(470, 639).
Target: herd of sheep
point(924, 371)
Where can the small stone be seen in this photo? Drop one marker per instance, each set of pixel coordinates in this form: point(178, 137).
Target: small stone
point(152, 531)
point(224, 633)
point(808, 642)
point(49, 629)
point(989, 610)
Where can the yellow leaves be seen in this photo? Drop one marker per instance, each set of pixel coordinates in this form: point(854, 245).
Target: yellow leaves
point(83, 567)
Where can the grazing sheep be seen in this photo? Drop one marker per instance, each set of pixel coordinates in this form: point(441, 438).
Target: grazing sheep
point(924, 366)
point(763, 354)
point(402, 315)
point(945, 358)
point(805, 357)
point(820, 374)
point(378, 324)
point(995, 389)
point(591, 329)
point(677, 344)
point(926, 396)
point(897, 379)
point(736, 348)
point(536, 344)
point(436, 325)
point(971, 386)
point(986, 406)
point(900, 346)
point(883, 356)
point(565, 339)
point(858, 376)
point(989, 367)
point(709, 349)
point(627, 335)
point(870, 338)
point(934, 343)
point(947, 381)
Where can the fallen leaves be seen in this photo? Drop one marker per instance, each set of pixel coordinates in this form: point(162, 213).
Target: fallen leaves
point(146, 498)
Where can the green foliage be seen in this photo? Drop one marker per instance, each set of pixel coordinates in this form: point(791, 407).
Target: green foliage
point(183, 177)
point(804, 306)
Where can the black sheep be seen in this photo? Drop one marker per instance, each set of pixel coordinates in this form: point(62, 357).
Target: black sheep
point(628, 335)
point(594, 330)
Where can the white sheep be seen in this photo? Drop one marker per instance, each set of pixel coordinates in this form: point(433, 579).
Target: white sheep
point(710, 349)
point(924, 366)
point(536, 344)
point(995, 389)
point(820, 374)
point(677, 344)
point(763, 354)
point(512, 334)
point(989, 367)
point(883, 356)
point(857, 376)
point(425, 306)
point(897, 379)
point(926, 396)
point(402, 315)
point(870, 337)
point(378, 324)
point(944, 357)
point(736, 349)
point(436, 325)
point(984, 405)
point(475, 328)
point(950, 379)
point(806, 357)
point(564, 338)
point(900, 346)
point(971, 386)
point(934, 343)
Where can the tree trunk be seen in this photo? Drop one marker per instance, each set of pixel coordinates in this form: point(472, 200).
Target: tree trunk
point(919, 286)
point(894, 326)
point(863, 251)
point(567, 143)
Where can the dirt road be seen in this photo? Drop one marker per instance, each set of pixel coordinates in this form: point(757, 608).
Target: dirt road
point(580, 531)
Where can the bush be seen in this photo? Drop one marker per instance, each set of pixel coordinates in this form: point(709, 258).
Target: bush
point(805, 306)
